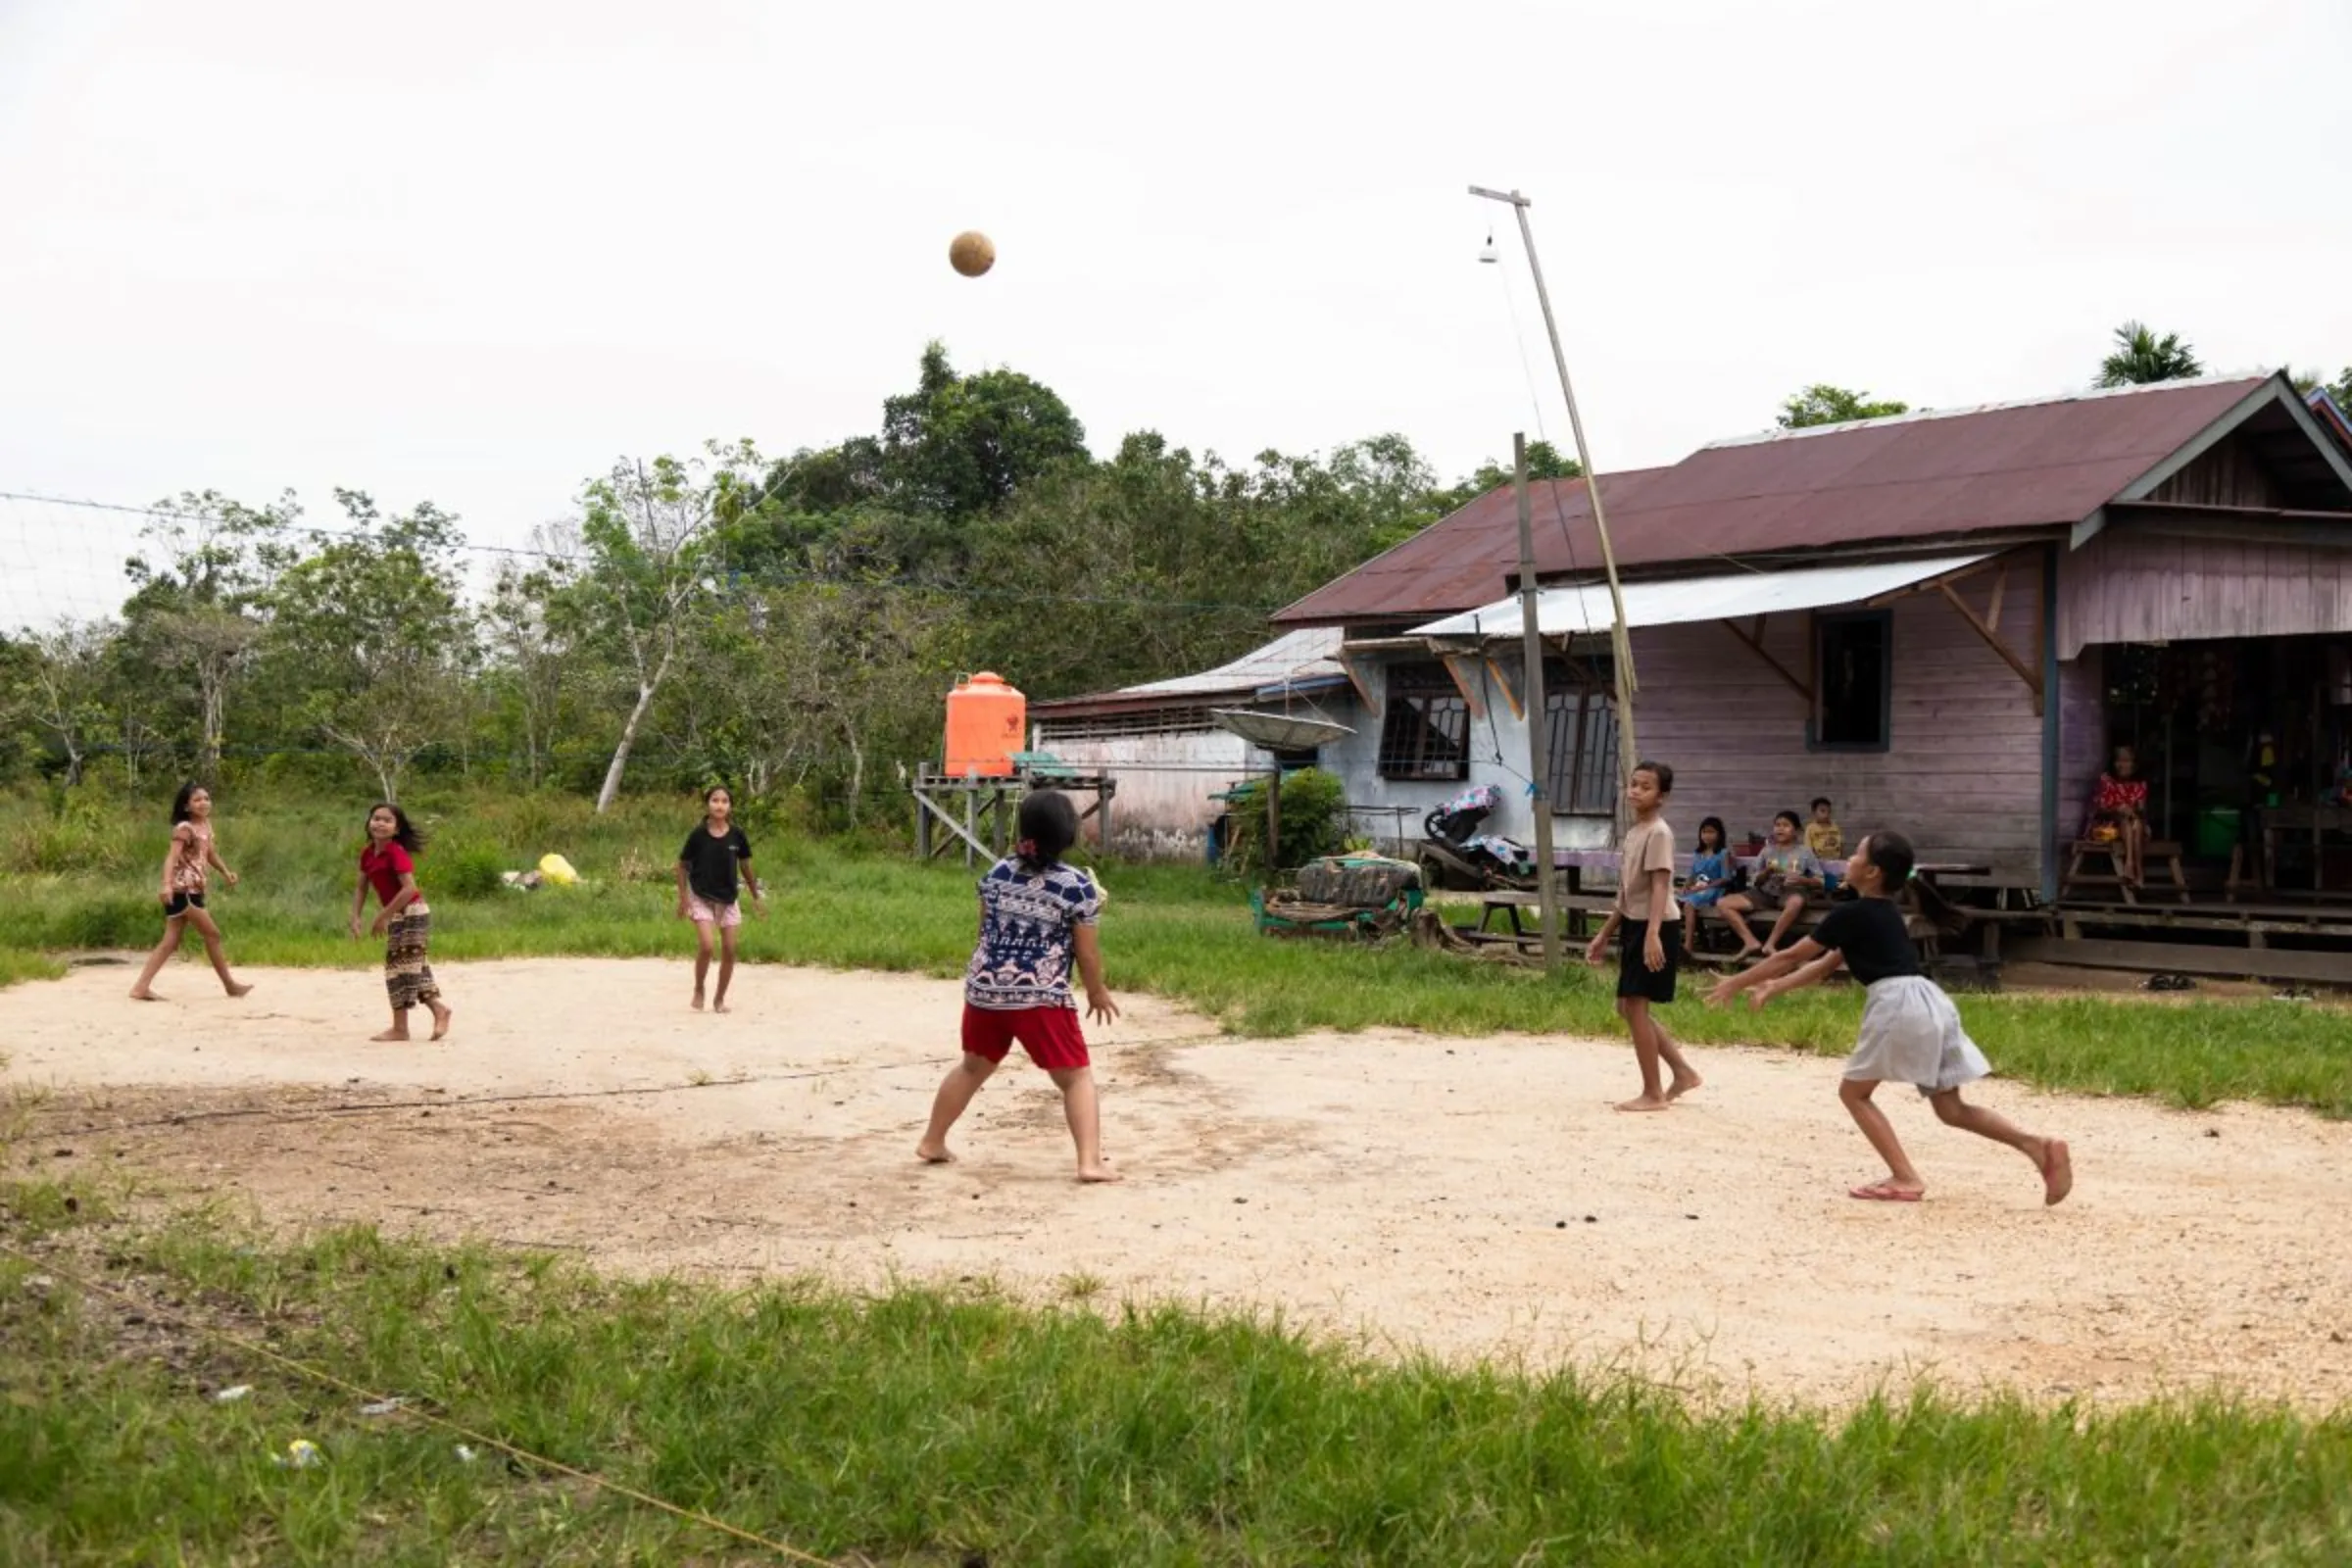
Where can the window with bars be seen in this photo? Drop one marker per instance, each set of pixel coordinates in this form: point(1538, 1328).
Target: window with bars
point(1580, 710)
point(1425, 732)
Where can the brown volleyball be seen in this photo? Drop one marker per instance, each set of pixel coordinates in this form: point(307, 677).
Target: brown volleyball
point(971, 253)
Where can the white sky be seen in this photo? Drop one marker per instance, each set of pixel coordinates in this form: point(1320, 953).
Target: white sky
point(474, 252)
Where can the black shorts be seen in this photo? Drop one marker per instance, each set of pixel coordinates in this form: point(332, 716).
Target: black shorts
point(1636, 978)
point(181, 904)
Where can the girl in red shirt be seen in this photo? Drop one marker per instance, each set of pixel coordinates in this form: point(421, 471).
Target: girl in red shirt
point(2120, 807)
point(388, 866)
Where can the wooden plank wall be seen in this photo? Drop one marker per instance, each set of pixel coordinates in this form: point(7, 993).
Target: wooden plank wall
point(2229, 475)
point(1963, 777)
point(2132, 586)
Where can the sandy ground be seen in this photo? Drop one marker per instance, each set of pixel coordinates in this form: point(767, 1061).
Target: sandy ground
point(1476, 1198)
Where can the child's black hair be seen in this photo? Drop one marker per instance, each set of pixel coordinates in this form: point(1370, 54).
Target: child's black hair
point(718, 789)
point(1049, 825)
point(1789, 817)
point(1723, 836)
point(1892, 853)
point(179, 803)
point(1660, 772)
point(1821, 801)
point(404, 832)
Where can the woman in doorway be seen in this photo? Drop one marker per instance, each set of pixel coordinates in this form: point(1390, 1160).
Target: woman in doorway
point(2118, 812)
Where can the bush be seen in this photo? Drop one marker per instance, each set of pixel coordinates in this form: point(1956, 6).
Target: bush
point(470, 872)
point(1314, 821)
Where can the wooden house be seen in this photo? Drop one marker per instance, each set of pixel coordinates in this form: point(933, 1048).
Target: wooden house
point(1943, 621)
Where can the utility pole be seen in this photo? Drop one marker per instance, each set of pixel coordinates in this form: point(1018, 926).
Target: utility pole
point(1538, 727)
point(1619, 644)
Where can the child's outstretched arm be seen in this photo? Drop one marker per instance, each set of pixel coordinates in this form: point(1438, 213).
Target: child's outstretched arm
point(358, 906)
point(1803, 951)
point(681, 869)
point(1089, 943)
point(1812, 974)
point(750, 880)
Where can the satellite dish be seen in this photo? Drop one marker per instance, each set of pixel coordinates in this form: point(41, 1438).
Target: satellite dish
point(1279, 732)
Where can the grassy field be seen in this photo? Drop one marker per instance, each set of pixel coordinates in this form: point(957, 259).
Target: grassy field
point(84, 880)
point(924, 1428)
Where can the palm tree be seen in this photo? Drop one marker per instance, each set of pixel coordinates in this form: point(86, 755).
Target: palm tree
point(2141, 358)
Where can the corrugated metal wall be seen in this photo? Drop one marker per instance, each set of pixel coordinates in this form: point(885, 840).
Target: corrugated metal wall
point(2136, 587)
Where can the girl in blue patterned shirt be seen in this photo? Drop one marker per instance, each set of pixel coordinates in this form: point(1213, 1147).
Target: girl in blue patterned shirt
point(1036, 916)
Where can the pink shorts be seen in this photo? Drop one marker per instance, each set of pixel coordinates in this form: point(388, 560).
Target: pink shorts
point(1050, 1035)
point(702, 911)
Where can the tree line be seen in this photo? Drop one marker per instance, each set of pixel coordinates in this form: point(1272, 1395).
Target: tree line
point(787, 622)
point(779, 623)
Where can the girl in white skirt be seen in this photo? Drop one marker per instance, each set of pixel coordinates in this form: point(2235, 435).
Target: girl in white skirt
point(1911, 1033)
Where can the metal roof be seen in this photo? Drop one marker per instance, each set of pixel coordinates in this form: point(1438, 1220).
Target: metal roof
point(1584, 606)
point(1913, 478)
point(1296, 656)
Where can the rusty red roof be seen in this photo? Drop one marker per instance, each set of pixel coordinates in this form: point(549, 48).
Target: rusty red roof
point(1911, 479)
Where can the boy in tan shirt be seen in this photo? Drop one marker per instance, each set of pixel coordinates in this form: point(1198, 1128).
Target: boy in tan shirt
point(1652, 946)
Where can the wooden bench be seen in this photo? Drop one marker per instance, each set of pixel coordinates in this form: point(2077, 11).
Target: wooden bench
point(1577, 906)
point(2157, 852)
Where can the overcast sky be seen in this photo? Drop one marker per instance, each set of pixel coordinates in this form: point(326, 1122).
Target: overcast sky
point(474, 252)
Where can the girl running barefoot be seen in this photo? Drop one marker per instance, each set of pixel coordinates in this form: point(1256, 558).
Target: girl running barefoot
point(1035, 913)
point(183, 895)
point(388, 864)
point(707, 868)
point(1911, 1033)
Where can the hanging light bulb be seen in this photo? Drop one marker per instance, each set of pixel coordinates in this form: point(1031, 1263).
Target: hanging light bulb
point(1488, 253)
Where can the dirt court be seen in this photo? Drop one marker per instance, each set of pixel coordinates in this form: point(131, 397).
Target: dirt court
point(1470, 1197)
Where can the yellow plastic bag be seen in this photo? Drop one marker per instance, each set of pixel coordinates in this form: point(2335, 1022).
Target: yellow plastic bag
point(557, 869)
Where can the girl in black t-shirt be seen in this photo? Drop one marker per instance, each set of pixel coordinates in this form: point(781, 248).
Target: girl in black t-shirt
point(1911, 1032)
point(715, 851)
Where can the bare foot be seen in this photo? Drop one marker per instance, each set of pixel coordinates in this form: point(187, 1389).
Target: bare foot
point(391, 1037)
point(698, 1001)
point(934, 1154)
point(719, 1007)
point(1751, 951)
point(1888, 1191)
point(144, 996)
point(1099, 1173)
point(1684, 1083)
point(441, 1018)
point(238, 989)
point(2057, 1171)
point(1644, 1102)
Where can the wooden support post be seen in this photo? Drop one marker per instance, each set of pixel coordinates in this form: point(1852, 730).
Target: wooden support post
point(1993, 640)
point(1510, 695)
point(1465, 671)
point(1753, 642)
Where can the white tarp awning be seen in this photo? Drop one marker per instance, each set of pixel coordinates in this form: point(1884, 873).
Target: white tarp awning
point(1584, 606)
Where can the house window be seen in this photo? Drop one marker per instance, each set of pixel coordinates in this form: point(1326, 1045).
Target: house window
point(1855, 679)
point(1426, 732)
point(1581, 706)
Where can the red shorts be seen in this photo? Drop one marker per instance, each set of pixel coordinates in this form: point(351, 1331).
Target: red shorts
point(1050, 1034)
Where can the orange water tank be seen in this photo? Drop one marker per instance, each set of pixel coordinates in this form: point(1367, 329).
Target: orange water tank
point(987, 722)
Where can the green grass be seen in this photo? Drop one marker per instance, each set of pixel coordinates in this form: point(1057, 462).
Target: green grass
point(1171, 930)
point(920, 1426)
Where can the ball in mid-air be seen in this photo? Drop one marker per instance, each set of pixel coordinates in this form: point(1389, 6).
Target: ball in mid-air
point(971, 253)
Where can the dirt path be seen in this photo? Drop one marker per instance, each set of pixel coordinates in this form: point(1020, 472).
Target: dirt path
point(1474, 1197)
